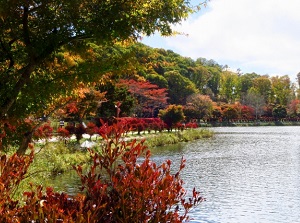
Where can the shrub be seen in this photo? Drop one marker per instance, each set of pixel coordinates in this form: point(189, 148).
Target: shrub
point(191, 125)
point(12, 171)
point(63, 134)
point(172, 115)
point(120, 186)
point(133, 191)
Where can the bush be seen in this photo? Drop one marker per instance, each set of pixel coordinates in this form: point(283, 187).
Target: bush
point(120, 186)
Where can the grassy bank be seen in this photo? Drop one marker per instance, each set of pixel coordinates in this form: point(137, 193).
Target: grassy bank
point(167, 138)
point(55, 158)
point(50, 160)
point(274, 123)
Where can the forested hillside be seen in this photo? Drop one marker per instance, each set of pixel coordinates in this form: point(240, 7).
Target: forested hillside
point(205, 88)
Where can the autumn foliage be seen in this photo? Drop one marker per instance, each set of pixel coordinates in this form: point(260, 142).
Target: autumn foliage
point(123, 184)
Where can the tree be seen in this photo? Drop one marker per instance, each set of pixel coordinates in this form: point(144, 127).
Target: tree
point(148, 96)
point(178, 83)
point(198, 106)
point(281, 88)
point(228, 90)
point(38, 38)
point(230, 112)
point(84, 105)
point(256, 101)
point(246, 82)
point(294, 108)
point(279, 111)
point(247, 112)
point(214, 82)
point(114, 94)
point(200, 76)
point(172, 115)
point(262, 86)
point(157, 79)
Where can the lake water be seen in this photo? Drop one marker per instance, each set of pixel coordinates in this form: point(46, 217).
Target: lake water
point(246, 174)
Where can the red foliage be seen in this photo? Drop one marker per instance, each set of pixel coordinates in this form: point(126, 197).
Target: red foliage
point(191, 125)
point(149, 95)
point(63, 133)
point(141, 124)
point(133, 191)
point(44, 131)
point(119, 187)
point(179, 126)
point(247, 112)
point(12, 133)
point(294, 107)
point(91, 128)
point(12, 172)
point(72, 108)
point(151, 92)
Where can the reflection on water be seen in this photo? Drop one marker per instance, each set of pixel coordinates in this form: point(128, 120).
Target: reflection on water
point(246, 174)
point(68, 182)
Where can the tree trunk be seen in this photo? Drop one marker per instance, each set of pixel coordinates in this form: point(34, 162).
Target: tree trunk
point(12, 96)
point(24, 143)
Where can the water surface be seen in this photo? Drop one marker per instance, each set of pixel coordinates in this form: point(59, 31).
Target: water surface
point(246, 174)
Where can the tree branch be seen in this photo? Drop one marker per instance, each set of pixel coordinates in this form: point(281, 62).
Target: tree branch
point(25, 26)
point(8, 54)
point(11, 98)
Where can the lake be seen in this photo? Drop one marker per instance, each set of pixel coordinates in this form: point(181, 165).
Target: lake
point(246, 174)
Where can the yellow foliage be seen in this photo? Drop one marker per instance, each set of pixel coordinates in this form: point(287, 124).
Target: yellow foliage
point(71, 59)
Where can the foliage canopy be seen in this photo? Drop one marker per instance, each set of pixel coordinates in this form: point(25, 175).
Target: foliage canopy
point(48, 48)
point(33, 31)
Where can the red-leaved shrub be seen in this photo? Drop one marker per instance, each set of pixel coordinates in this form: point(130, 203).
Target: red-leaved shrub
point(122, 185)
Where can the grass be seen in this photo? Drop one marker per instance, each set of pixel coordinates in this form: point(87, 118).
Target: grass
point(52, 159)
point(167, 138)
point(55, 158)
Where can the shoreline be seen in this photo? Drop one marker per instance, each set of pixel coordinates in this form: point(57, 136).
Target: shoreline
point(259, 123)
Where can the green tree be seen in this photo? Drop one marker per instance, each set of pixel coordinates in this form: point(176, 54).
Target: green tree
point(113, 95)
point(172, 115)
point(214, 82)
point(34, 36)
point(279, 111)
point(246, 82)
point(200, 76)
point(180, 87)
point(229, 89)
point(263, 86)
point(157, 79)
point(281, 88)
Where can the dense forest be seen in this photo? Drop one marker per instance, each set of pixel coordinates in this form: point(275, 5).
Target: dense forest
point(206, 89)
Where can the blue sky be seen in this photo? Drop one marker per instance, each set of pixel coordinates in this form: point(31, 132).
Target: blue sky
point(261, 36)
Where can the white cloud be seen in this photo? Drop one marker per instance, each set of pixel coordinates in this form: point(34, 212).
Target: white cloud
point(261, 36)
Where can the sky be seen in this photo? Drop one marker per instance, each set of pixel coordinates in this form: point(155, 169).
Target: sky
point(261, 36)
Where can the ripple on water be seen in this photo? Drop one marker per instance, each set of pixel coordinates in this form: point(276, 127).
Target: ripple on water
point(247, 174)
